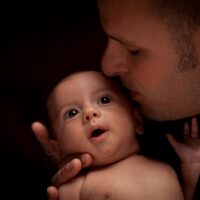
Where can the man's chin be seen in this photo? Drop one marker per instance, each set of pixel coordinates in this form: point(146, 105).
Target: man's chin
point(157, 116)
point(165, 115)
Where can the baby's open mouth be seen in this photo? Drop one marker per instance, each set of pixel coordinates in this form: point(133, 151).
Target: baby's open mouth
point(97, 132)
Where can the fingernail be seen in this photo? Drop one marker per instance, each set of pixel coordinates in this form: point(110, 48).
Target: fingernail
point(83, 159)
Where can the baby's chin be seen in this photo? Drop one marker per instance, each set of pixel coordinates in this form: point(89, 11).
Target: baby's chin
point(104, 160)
point(100, 162)
point(109, 160)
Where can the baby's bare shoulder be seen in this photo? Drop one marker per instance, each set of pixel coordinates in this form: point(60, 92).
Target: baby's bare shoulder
point(137, 177)
point(149, 168)
point(159, 179)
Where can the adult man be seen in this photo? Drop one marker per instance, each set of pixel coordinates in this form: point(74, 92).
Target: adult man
point(154, 46)
point(157, 59)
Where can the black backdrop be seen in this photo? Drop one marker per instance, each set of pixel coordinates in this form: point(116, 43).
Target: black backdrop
point(36, 50)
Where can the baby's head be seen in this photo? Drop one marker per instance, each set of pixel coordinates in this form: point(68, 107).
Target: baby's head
point(89, 113)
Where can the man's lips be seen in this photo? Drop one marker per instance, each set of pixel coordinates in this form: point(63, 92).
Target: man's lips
point(134, 94)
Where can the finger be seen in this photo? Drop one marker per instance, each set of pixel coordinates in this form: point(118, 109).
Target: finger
point(173, 141)
point(41, 133)
point(86, 160)
point(50, 146)
point(186, 130)
point(67, 172)
point(194, 128)
point(52, 193)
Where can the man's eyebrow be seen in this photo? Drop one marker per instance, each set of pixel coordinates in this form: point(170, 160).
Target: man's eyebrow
point(116, 39)
point(122, 41)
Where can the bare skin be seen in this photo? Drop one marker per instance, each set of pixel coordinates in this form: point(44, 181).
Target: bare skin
point(142, 51)
point(189, 153)
point(129, 178)
point(106, 125)
point(94, 116)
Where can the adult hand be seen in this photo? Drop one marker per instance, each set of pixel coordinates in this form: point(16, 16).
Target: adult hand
point(74, 162)
point(189, 154)
point(50, 146)
point(66, 173)
point(72, 168)
point(188, 150)
point(69, 166)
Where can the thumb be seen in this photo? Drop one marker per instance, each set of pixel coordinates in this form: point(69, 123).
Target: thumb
point(40, 132)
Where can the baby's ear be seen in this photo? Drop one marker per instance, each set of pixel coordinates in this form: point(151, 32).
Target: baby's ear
point(139, 121)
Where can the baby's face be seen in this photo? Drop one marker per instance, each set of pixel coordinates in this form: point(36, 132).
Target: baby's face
point(90, 114)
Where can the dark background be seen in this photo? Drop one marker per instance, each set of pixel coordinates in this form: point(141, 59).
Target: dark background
point(37, 50)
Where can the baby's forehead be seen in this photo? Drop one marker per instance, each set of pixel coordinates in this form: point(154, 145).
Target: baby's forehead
point(73, 83)
point(85, 81)
point(85, 75)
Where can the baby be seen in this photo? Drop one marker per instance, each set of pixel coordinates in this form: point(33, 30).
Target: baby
point(90, 113)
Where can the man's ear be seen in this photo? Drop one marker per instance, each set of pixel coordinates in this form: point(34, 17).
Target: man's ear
point(139, 125)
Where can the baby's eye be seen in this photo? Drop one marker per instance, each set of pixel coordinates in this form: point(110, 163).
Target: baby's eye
point(104, 100)
point(71, 113)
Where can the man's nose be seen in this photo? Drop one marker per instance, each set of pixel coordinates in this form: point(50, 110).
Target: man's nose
point(90, 113)
point(115, 59)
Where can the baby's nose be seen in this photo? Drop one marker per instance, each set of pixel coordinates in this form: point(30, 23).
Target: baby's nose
point(90, 113)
